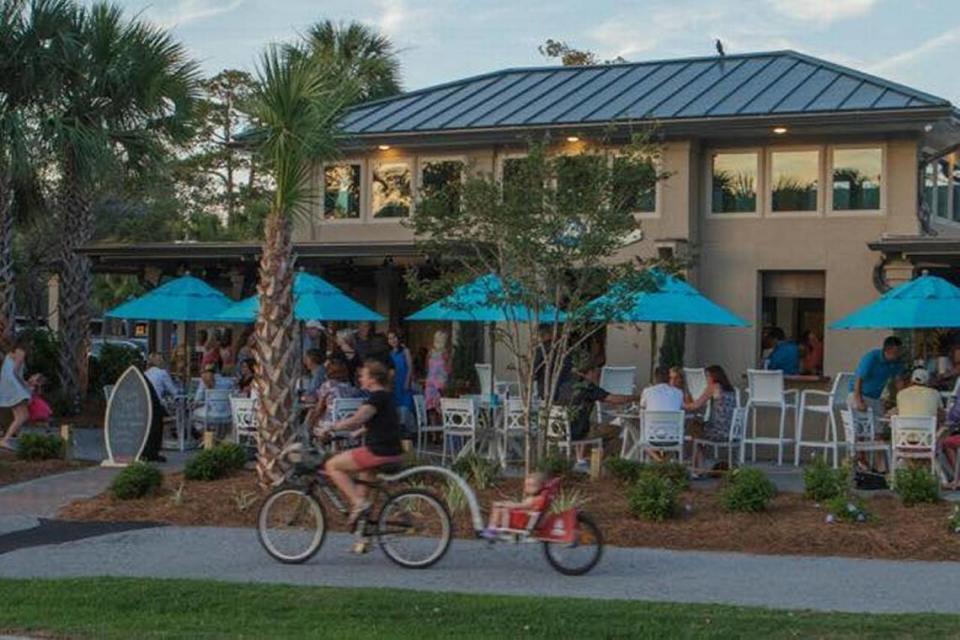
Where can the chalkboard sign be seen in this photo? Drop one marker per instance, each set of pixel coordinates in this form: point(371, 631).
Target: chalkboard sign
point(129, 414)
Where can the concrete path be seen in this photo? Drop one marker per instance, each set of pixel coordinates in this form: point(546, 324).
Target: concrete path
point(827, 584)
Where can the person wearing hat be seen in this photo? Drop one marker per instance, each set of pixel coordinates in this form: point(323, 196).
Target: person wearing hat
point(919, 399)
point(313, 337)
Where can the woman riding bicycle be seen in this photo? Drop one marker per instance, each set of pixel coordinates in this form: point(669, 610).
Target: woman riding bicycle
point(376, 419)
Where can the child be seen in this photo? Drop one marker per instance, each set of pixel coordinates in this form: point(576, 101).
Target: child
point(515, 515)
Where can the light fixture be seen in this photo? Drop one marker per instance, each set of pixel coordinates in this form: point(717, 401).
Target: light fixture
point(779, 130)
point(573, 139)
point(383, 147)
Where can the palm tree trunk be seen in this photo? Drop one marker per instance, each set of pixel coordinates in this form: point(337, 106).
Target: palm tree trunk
point(276, 353)
point(75, 284)
point(8, 307)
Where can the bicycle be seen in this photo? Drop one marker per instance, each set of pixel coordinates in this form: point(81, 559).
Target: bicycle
point(413, 527)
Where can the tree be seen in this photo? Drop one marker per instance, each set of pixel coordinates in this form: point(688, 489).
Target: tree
point(296, 103)
point(122, 96)
point(551, 229)
point(359, 55)
point(571, 57)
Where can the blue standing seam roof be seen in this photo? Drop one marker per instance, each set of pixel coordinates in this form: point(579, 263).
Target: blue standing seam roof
point(753, 84)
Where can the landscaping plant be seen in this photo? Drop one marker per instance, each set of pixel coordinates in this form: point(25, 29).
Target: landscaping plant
point(747, 490)
point(216, 463)
point(653, 497)
point(823, 482)
point(556, 466)
point(845, 508)
point(916, 486)
point(136, 481)
point(673, 471)
point(34, 446)
point(477, 470)
point(623, 469)
point(953, 522)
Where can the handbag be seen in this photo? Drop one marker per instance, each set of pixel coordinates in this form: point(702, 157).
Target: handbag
point(869, 481)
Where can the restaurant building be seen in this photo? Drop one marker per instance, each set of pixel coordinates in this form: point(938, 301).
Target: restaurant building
point(799, 189)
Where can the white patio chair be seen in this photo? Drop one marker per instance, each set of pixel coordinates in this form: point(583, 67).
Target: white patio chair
point(630, 429)
point(949, 397)
point(343, 408)
point(423, 422)
point(620, 381)
point(822, 403)
point(558, 433)
point(858, 435)
point(738, 428)
point(459, 421)
point(243, 412)
point(914, 438)
point(696, 381)
point(766, 391)
point(215, 413)
point(512, 427)
point(661, 431)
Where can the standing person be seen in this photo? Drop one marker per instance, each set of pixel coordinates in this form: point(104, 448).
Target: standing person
point(679, 380)
point(14, 390)
point(247, 371)
point(402, 378)
point(662, 396)
point(244, 346)
point(370, 344)
point(347, 348)
point(721, 397)
point(313, 336)
point(211, 353)
point(875, 370)
point(812, 361)
point(228, 357)
point(784, 354)
point(159, 377)
point(438, 371)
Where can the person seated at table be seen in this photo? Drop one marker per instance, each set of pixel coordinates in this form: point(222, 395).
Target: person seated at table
point(661, 395)
point(784, 354)
point(947, 381)
point(246, 371)
point(919, 400)
point(313, 362)
point(337, 385)
point(580, 394)
point(159, 377)
point(721, 398)
point(377, 420)
point(679, 380)
point(812, 347)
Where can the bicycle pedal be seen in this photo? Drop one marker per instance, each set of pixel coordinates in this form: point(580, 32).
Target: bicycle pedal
point(360, 547)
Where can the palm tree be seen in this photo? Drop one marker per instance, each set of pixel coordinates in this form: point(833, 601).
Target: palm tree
point(359, 55)
point(296, 103)
point(123, 93)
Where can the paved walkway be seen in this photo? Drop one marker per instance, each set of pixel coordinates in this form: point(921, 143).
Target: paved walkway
point(828, 584)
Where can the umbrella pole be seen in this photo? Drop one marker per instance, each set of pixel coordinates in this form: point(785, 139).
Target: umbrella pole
point(653, 349)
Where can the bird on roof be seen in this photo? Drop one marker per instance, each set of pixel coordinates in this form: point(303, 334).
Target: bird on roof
point(719, 46)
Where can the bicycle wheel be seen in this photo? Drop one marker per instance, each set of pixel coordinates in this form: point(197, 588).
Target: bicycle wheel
point(291, 525)
point(414, 529)
point(581, 555)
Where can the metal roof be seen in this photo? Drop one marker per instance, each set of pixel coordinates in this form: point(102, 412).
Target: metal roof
point(755, 84)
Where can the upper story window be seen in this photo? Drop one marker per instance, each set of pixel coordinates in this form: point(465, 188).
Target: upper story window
point(794, 180)
point(392, 189)
point(941, 187)
point(442, 179)
point(634, 185)
point(734, 182)
point(579, 181)
point(857, 178)
point(341, 191)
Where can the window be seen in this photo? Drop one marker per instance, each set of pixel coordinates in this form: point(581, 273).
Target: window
point(734, 182)
point(794, 180)
point(578, 181)
point(341, 191)
point(793, 301)
point(513, 176)
point(442, 180)
point(634, 185)
point(941, 187)
point(857, 179)
point(955, 189)
point(392, 191)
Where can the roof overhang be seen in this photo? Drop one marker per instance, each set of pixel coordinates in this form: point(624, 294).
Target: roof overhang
point(922, 251)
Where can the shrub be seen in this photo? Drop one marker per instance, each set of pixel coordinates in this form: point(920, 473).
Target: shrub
point(653, 497)
point(747, 490)
point(215, 463)
point(478, 471)
point(847, 509)
point(672, 471)
point(953, 522)
point(556, 466)
point(916, 486)
point(136, 481)
point(34, 446)
point(624, 469)
point(823, 482)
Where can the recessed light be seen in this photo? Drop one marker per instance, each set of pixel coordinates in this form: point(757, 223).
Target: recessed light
point(383, 147)
point(573, 139)
point(779, 130)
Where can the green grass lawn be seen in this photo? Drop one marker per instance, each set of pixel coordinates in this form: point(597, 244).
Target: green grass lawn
point(140, 608)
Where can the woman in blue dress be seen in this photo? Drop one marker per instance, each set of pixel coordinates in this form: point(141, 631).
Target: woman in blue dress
point(14, 390)
point(402, 378)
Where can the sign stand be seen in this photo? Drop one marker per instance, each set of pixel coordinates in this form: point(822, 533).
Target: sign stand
point(128, 419)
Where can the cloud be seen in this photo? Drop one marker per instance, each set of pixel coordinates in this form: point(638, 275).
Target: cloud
point(909, 56)
point(822, 11)
point(629, 35)
point(187, 11)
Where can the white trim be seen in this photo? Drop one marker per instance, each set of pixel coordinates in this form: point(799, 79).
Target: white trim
point(884, 179)
point(411, 162)
point(322, 187)
point(817, 211)
point(708, 183)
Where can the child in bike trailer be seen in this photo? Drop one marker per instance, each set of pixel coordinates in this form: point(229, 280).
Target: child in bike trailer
point(376, 419)
point(519, 515)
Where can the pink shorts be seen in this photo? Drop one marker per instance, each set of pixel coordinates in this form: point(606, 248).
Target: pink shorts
point(366, 459)
point(951, 442)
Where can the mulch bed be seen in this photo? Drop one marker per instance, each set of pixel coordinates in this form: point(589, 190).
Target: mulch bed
point(13, 470)
point(792, 525)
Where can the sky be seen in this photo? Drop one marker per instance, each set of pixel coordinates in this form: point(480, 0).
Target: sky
point(914, 42)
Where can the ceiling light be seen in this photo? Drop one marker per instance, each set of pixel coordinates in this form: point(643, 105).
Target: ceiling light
point(779, 130)
point(573, 139)
point(383, 147)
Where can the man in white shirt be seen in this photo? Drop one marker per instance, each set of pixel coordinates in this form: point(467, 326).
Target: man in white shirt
point(661, 396)
point(159, 377)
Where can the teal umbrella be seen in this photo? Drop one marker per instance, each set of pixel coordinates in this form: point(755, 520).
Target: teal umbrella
point(673, 302)
point(927, 302)
point(184, 299)
point(482, 300)
point(314, 299)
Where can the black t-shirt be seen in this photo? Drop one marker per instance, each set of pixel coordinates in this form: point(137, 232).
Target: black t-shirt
point(383, 429)
point(580, 397)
